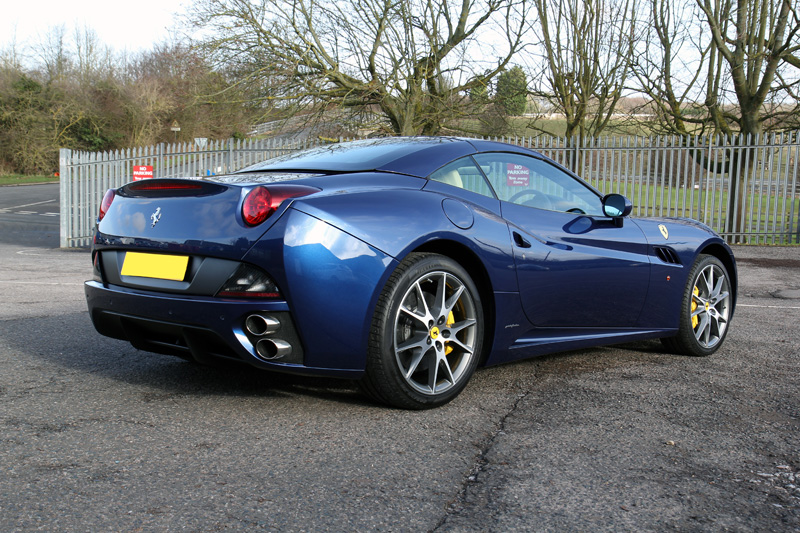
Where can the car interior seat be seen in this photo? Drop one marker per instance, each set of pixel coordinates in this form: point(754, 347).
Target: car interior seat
point(452, 177)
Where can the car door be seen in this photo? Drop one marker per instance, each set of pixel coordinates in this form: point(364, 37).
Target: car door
point(575, 266)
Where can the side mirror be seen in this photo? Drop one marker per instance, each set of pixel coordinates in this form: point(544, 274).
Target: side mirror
point(616, 206)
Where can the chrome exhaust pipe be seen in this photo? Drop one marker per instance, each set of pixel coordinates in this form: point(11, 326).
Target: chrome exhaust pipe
point(260, 325)
point(271, 349)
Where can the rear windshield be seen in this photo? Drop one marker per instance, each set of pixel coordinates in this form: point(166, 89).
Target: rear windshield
point(369, 154)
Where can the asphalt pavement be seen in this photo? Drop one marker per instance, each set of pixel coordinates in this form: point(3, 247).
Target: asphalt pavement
point(98, 436)
point(29, 215)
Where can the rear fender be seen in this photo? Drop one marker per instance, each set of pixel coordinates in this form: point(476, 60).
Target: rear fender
point(436, 223)
point(336, 254)
point(413, 220)
point(331, 281)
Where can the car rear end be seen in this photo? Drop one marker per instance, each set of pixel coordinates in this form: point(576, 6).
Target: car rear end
point(171, 275)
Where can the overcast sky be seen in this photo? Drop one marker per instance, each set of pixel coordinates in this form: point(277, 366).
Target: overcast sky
point(130, 25)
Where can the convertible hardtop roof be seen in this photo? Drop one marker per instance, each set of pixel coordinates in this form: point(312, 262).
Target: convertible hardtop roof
point(416, 156)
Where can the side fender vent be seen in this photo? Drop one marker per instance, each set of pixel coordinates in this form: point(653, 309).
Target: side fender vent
point(667, 255)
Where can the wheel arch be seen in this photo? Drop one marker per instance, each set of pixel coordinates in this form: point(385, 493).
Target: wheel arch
point(474, 266)
point(721, 252)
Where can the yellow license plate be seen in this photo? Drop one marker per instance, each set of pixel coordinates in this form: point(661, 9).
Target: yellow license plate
point(157, 266)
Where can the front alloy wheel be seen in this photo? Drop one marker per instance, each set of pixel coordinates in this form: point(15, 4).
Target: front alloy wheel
point(706, 309)
point(427, 334)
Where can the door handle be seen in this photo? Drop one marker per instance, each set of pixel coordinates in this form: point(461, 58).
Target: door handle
point(520, 241)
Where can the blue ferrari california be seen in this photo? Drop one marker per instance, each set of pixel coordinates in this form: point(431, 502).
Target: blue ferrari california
point(403, 263)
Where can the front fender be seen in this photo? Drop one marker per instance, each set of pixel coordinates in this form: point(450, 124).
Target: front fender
point(687, 239)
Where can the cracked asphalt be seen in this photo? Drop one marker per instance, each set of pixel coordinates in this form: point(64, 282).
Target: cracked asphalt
point(95, 435)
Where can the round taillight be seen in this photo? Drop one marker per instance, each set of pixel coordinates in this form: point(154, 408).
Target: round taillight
point(108, 197)
point(257, 206)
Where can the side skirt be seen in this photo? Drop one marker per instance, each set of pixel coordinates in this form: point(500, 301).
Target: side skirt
point(547, 341)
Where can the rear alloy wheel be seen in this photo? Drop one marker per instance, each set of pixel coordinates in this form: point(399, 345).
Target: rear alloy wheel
point(705, 310)
point(427, 334)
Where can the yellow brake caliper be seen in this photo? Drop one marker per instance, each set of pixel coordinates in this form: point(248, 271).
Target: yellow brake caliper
point(450, 321)
point(695, 320)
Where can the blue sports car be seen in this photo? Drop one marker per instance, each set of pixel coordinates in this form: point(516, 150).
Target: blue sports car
point(403, 263)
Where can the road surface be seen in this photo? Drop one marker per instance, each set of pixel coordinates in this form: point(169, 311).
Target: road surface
point(96, 436)
point(29, 215)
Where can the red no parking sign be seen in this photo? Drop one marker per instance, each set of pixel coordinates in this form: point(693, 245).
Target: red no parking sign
point(142, 172)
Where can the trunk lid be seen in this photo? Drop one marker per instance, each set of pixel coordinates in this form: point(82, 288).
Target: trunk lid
point(181, 216)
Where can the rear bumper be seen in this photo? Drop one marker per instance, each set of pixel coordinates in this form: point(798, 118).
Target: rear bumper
point(198, 328)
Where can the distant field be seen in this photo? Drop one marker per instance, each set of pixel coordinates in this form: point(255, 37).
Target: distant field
point(526, 127)
point(19, 179)
point(530, 127)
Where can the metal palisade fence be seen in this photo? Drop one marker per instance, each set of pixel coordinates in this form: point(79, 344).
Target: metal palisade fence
point(86, 176)
point(747, 189)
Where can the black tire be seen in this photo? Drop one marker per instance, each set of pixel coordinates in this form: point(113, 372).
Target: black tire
point(423, 349)
point(706, 309)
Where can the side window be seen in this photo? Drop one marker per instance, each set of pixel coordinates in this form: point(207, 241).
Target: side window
point(536, 183)
point(464, 174)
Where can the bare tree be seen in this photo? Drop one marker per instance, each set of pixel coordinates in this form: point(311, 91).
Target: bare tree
point(414, 61)
point(742, 76)
point(670, 65)
point(11, 57)
point(169, 83)
point(53, 53)
point(585, 46)
point(92, 58)
point(721, 66)
point(757, 42)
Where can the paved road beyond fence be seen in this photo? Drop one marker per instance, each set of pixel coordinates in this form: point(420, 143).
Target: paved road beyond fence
point(663, 176)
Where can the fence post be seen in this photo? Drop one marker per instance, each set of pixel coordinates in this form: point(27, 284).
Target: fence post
point(159, 173)
point(64, 176)
point(797, 235)
point(575, 152)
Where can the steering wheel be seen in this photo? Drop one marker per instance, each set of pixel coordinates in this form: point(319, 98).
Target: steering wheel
point(577, 210)
point(520, 194)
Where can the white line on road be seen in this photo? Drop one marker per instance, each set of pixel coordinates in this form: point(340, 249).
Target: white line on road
point(30, 213)
point(38, 283)
point(767, 306)
point(29, 205)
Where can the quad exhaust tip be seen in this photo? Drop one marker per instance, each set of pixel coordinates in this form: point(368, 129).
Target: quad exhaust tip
point(267, 348)
point(260, 325)
point(271, 349)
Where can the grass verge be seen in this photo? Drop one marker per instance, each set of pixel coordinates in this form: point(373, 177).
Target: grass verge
point(19, 179)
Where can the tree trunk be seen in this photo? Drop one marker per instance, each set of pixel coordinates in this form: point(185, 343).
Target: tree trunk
point(742, 163)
